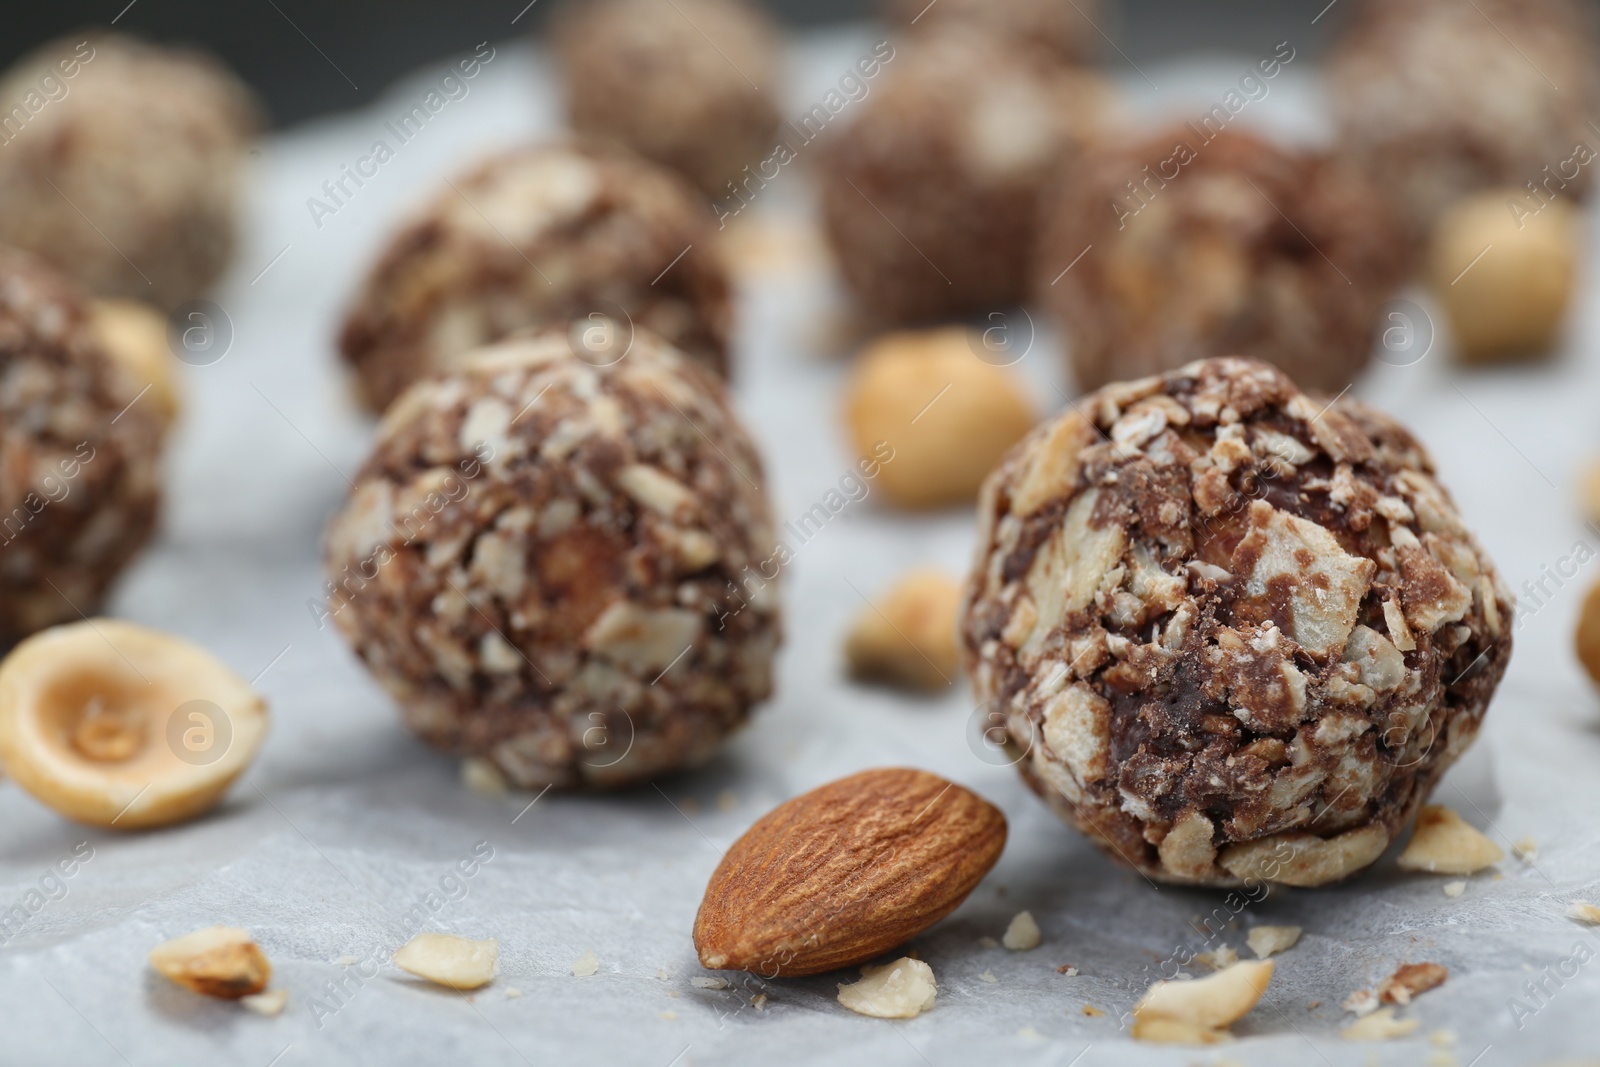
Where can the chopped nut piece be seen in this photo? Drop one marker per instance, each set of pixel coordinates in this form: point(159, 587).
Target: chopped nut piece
point(1584, 912)
point(1444, 843)
point(987, 942)
point(1265, 940)
point(944, 416)
point(1526, 850)
point(1378, 1026)
point(114, 724)
point(908, 639)
point(1361, 1002)
point(272, 1002)
point(1219, 957)
point(1442, 1038)
point(759, 1002)
point(903, 989)
point(1029, 1033)
point(219, 961)
point(481, 776)
point(988, 976)
point(447, 960)
point(668, 1016)
point(586, 965)
point(702, 982)
point(1410, 980)
point(1023, 933)
point(1067, 969)
point(1200, 1010)
point(512, 992)
point(1093, 1012)
point(1454, 889)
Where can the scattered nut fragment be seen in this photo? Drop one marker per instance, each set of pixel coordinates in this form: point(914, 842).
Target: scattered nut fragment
point(272, 1002)
point(1361, 1002)
point(989, 977)
point(1454, 889)
point(987, 942)
point(1068, 969)
point(481, 776)
point(702, 982)
point(1525, 849)
point(903, 989)
point(1218, 958)
point(586, 965)
point(116, 725)
point(512, 992)
point(1378, 1026)
point(759, 1002)
point(219, 961)
point(1093, 1012)
point(1410, 980)
point(447, 960)
point(135, 335)
point(1584, 912)
point(1022, 933)
point(842, 874)
point(1505, 282)
point(936, 416)
point(1266, 940)
point(908, 639)
point(1445, 843)
point(1199, 1011)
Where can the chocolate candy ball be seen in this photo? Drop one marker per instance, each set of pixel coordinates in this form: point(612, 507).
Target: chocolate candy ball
point(561, 566)
point(80, 453)
point(1176, 248)
point(1436, 99)
point(534, 237)
point(121, 164)
point(692, 84)
point(930, 195)
point(1232, 635)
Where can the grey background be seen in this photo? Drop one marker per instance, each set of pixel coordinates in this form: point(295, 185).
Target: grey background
point(274, 44)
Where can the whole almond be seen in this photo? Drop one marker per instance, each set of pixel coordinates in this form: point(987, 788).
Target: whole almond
point(836, 876)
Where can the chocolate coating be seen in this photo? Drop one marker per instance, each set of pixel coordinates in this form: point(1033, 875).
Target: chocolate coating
point(1220, 247)
point(543, 561)
point(534, 237)
point(692, 85)
point(127, 178)
point(930, 195)
point(1436, 99)
point(1233, 635)
point(80, 454)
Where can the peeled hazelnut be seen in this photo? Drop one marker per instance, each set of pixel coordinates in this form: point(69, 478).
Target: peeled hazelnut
point(1511, 302)
point(1200, 1010)
point(903, 989)
point(447, 960)
point(135, 334)
point(908, 639)
point(1588, 635)
point(115, 725)
point(947, 415)
point(219, 961)
point(1445, 843)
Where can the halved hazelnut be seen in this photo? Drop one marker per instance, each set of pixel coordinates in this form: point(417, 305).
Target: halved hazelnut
point(447, 960)
point(1199, 1011)
point(1445, 843)
point(219, 961)
point(135, 335)
point(116, 725)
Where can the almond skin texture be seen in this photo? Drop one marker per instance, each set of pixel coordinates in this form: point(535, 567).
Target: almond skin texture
point(841, 874)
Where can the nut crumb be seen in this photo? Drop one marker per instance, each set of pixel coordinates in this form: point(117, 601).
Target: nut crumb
point(903, 989)
point(702, 982)
point(1526, 850)
point(759, 1002)
point(272, 1002)
point(1378, 1026)
point(1411, 980)
point(347, 961)
point(908, 639)
point(988, 976)
point(1068, 969)
point(1454, 889)
point(1361, 1002)
point(1093, 1012)
point(669, 1016)
point(1266, 940)
point(661, 973)
point(1219, 957)
point(987, 942)
point(512, 992)
point(219, 961)
point(1445, 843)
point(1314, 1005)
point(1029, 1032)
point(1584, 912)
point(482, 777)
point(1441, 1058)
point(1023, 933)
point(447, 960)
point(586, 964)
point(1442, 1038)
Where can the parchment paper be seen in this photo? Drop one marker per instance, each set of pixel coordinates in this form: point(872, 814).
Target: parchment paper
point(347, 836)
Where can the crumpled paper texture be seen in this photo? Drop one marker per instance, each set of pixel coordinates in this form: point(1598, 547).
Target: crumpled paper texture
point(347, 837)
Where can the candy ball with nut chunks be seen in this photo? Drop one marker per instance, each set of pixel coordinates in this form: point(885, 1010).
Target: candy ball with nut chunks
point(80, 452)
point(930, 194)
point(128, 167)
point(1237, 633)
point(692, 85)
point(1190, 244)
point(1064, 30)
point(559, 565)
point(536, 237)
